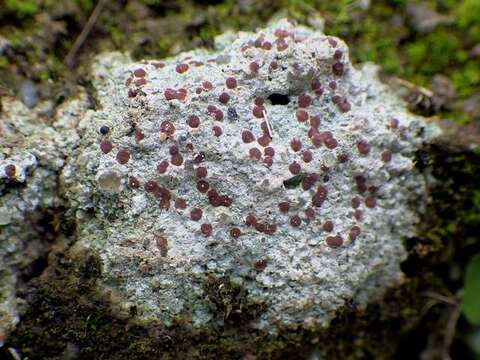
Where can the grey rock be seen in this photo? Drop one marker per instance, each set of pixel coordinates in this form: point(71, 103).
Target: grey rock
point(300, 273)
point(4, 44)
point(141, 218)
point(443, 92)
point(28, 93)
point(37, 152)
point(424, 18)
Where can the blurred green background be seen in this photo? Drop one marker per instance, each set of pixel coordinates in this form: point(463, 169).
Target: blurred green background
point(434, 44)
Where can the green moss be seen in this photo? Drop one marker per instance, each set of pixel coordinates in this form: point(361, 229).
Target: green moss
point(22, 8)
point(467, 13)
point(455, 206)
point(208, 33)
point(230, 302)
point(432, 53)
point(467, 79)
point(3, 62)
point(86, 5)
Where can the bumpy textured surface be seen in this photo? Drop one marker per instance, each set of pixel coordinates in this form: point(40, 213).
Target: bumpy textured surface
point(32, 152)
point(272, 162)
point(268, 182)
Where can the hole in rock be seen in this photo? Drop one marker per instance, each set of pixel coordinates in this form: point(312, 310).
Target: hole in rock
point(294, 181)
point(278, 99)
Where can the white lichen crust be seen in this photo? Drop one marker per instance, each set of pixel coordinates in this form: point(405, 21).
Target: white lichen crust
point(32, 152)
point(298, 185)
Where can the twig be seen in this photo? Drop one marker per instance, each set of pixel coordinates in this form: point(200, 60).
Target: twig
point(269, 127)
point(14, 353)
point(70, 58)
point(447, 299)
point(440, 340)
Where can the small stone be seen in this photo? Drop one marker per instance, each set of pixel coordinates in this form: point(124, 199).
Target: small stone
point(260, 265)
point(193, 121)
point(255, 154)
point(231, 83)
point(363, 147)
point(104, 130)
point(387, 156)
point(133, 182)
point(180, 204)
point(370, 202)
point(177, 159)
point(206, 229)
point(182, 68)
point(247, 136)
point(296, 145)
point(223, 98)
point(231, 113)
point(295, 168)
point(284, 207)
point(162, 245)
point(337, 69)
point(139, 73)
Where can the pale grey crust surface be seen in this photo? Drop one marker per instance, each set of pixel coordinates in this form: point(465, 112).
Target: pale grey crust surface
point(302, 281)
point(37, 151)
point(305, 281)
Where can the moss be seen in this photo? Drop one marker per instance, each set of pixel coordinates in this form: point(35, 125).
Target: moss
point(230, 302)
point(22, 8)
point(467, 13)
point(466, 79)
point(432, 53)
point(455, 208)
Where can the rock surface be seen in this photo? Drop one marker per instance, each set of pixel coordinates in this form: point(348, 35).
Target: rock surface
point(32, 153)
point(271, 162)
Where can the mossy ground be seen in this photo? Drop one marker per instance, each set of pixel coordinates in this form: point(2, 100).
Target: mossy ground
point(40, 33)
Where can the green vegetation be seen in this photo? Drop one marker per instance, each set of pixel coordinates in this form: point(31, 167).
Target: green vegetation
point(471, 298)
point(22, 8)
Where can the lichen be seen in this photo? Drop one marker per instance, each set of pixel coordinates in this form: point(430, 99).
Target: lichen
point(304, 184)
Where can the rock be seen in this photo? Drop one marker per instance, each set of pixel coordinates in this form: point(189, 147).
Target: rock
point(28, 93)
point(31, 156)
point(302, 199)
point(266, 185)
point(423, 18)
point(475, 52)
point(4, 44)
point(443, 92)
point(472, 106)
